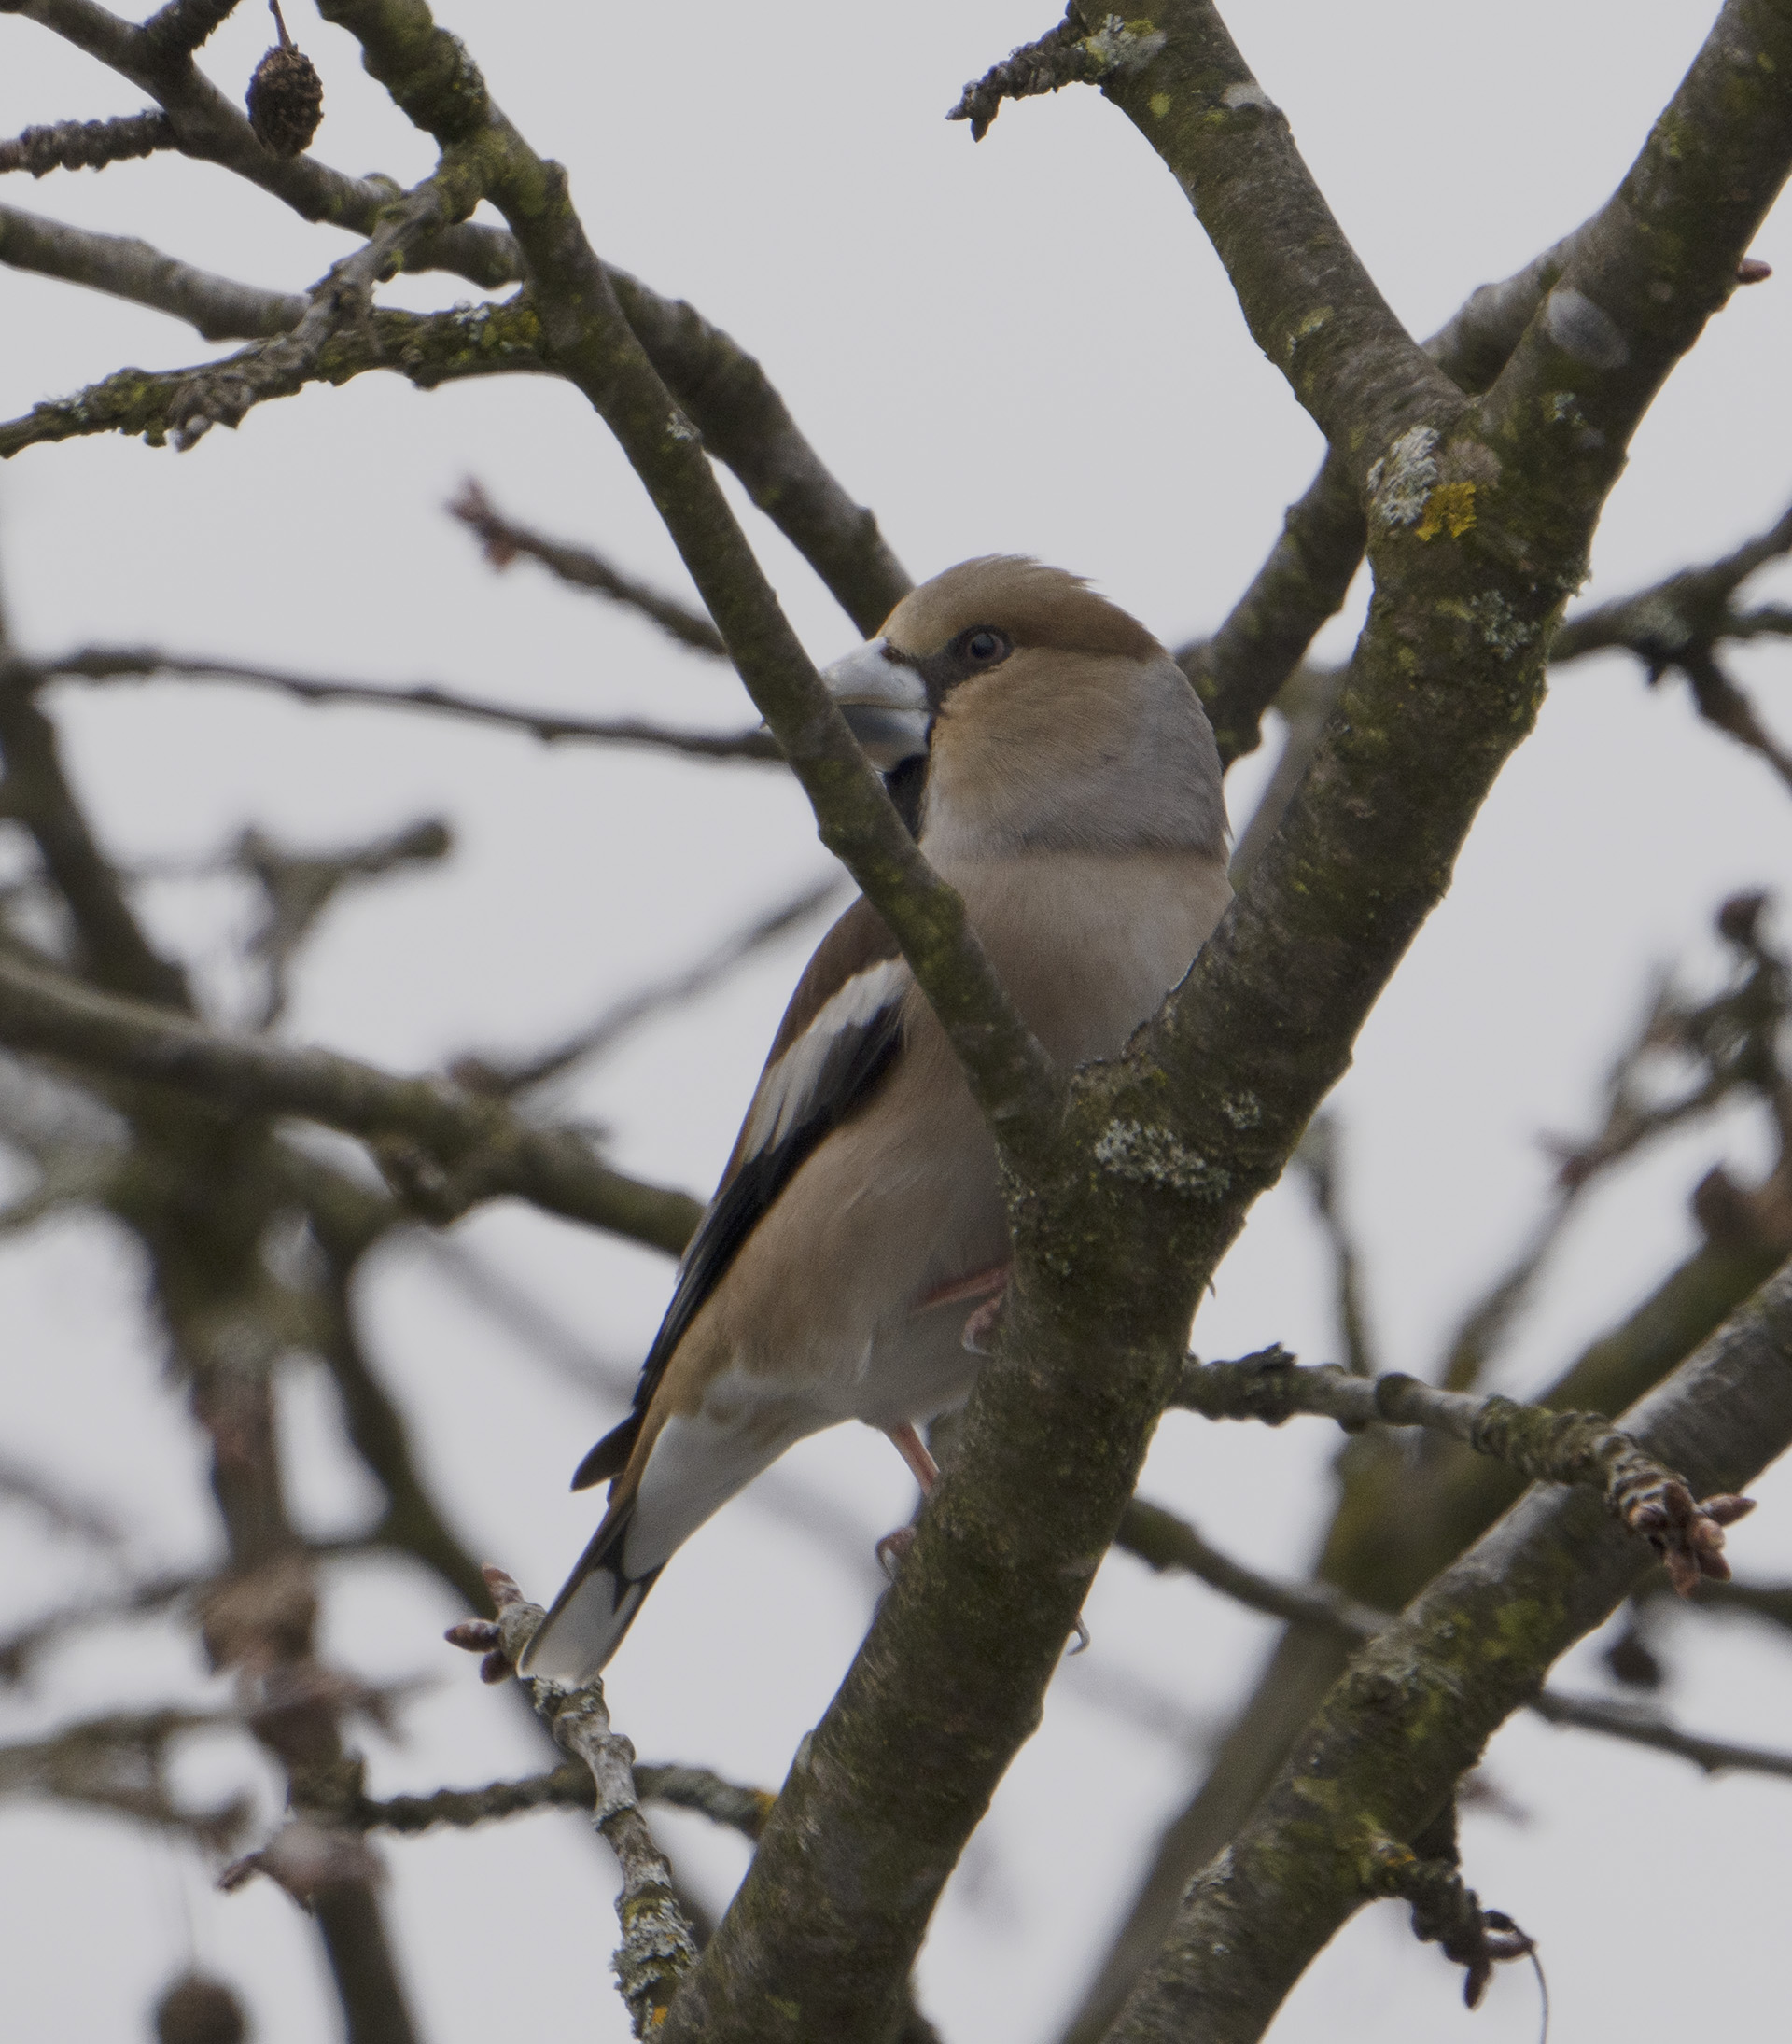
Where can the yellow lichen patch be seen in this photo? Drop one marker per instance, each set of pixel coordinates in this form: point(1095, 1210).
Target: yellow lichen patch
point(1449, 508)
point(1159, 105)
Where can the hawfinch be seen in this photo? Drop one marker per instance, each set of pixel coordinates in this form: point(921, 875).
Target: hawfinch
point(1071, 795)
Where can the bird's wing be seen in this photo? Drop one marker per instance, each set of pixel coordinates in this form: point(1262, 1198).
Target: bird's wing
point(835, 1044)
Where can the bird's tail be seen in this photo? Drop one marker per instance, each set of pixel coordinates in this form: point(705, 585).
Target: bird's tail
point(586, 1622)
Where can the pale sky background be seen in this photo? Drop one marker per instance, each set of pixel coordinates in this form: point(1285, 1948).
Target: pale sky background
point(1023, 347)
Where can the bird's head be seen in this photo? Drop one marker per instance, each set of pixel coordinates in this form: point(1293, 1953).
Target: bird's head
point(1047, 715)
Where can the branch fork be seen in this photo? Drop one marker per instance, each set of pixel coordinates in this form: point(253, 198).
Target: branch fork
point(658, 1948)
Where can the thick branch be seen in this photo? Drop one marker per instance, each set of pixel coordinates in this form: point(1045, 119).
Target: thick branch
point(1383, 1757)
point(1168, 1151)
point(1310, 305)
point(472, 1148)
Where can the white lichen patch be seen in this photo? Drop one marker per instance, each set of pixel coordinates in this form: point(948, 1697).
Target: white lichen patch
point(1156, 1157)
point(1583, 330)
point(680, 427)
point(1502, 630)
point(1248, 94)
point(1563, 408)
point(1404, 477)
point(1123, 45)
point(1242, 1108)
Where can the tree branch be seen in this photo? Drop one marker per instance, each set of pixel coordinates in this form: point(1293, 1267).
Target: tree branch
point(1172, 1144)
point(1310, 305)
point(1641, 1728)
point(427, 349)
point(103, 664)
point(567, 1788)
point(721, 387)
point(218, 308)
point(1419, 1702)
point(510, 1077)
point(434, 81)
point(87, 144)
point(503, 542)
point(470, 1148)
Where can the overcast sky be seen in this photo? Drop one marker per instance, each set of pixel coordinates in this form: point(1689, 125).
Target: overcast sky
point(1021, 346)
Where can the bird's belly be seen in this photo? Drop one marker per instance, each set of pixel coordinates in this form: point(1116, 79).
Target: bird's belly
point(911, 1371)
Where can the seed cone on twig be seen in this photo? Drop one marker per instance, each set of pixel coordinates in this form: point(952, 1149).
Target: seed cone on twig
point(286, 96)
point(196, 2010)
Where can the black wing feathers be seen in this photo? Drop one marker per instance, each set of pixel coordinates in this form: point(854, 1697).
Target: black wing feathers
point(855, 1059)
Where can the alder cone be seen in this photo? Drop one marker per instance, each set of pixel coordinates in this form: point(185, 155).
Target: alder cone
point(286, 100)
point(195, 2010)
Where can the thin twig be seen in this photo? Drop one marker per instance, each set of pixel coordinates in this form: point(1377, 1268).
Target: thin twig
point(1643, 1727)
point(1583, 1448)
point(102, 664)
point(634, 1009)
point(503, 542)
point(657, 1948)
point(567, 1788)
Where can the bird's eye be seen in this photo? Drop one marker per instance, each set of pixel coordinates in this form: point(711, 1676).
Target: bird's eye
point(984, 646)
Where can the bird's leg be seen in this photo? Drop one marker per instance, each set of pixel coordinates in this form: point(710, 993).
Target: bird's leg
point(926, 1472)
point(991, 1287)
point(909, 1445)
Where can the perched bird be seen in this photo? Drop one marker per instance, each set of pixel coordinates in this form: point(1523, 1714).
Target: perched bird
point(1073, 798)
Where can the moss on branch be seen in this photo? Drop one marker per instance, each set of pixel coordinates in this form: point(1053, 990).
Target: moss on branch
point(427, 349)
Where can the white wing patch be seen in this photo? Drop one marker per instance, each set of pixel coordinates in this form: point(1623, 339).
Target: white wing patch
point(787, 1094)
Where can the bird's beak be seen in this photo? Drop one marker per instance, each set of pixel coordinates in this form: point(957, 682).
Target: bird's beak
point(883, 700)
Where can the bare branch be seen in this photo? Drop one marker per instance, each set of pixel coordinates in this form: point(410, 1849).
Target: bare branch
point(1643, 1727)
point(145, 663)
point(503, 542)
point(87, 144)
point(634, 1009)
point(119, 1762)
point(1318, 1161)
point(657, 1948)
point(1570, 1447)
point(1164, 1542)
point(722, 388)
point(185, 25)
point(464, 1148)
point(435, 82)
point(218, 308)
point(340, 301)
point(68, 1515)
point(569, 1787)
point(427, 349)
point(1687, 608)
point(1420, 1701)
point(297, 888)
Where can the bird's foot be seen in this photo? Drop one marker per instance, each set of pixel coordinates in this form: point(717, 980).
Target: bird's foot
point(984, 1327)
point(991, 1287)
point(892, 1549)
